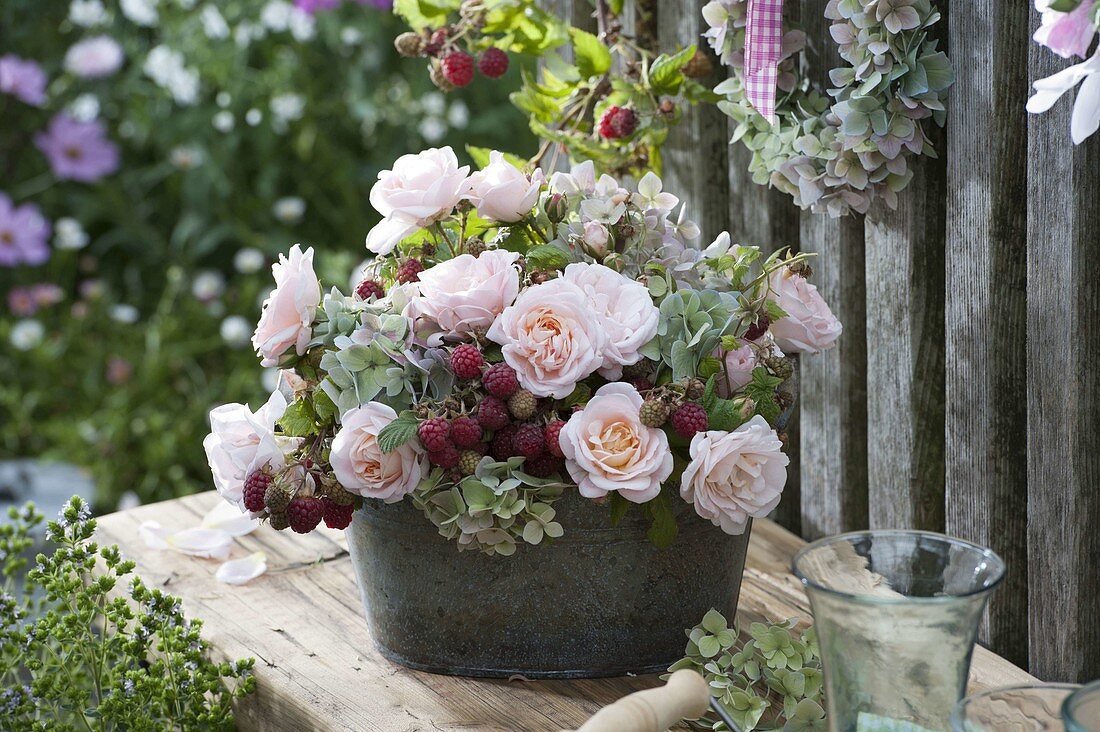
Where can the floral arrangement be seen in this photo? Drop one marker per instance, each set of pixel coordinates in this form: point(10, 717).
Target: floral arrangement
point(1069, 29)
point(840, 152)
point(79, 651)
point(517, 337)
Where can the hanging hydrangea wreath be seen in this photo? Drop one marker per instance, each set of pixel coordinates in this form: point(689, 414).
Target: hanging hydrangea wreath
point(841, 154)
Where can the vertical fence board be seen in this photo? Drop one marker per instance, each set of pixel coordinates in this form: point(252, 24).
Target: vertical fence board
point(986, 452)
point(1063, 350)
point(833, 428)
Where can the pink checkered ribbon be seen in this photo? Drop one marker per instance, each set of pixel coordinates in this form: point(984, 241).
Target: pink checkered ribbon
point(763, 49)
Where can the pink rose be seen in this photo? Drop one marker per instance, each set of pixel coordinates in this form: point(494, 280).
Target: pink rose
point(502, 192)
point(1067, 34)
point(467, 293)
point(735, 476)
point(289, 310)
point(595, 237)
point(241, 442)
point(420, 190)
point(739, 366)
point(607, 448)
point(94, 58)
point(630, 319)
point(360, 465)
point(551, 337)
point(810, 326)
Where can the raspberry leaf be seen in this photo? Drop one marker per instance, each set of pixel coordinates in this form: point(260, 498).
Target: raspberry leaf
point(397, 432)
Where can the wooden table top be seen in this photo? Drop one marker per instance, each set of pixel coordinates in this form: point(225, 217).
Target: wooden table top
point(317, 669)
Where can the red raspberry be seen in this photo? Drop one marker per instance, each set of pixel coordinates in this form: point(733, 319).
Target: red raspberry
point(465, 432)
point(434, 434)
point(370, 288)
point(493, 63)
point(409, 271)
point(458, 68)
point(444, 458)
point(542, 466)
point(552, 436)
point(503, 446)
point(466, 361)
point(337, 516)
point(529, 440)
point(304, 513)
point(492, 414)
point(500, 380)
point(617, 122)
point(689, 419)
point(757, 329)
point(255, 486)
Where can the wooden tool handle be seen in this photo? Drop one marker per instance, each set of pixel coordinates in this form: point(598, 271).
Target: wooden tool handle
point(685, 696)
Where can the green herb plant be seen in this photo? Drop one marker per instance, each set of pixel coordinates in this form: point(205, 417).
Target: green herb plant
point(78, 652)
point(772, 681)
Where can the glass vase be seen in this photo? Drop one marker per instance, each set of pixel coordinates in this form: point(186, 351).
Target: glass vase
point(1034, 708)
point(897, 615)
point(1081, 710)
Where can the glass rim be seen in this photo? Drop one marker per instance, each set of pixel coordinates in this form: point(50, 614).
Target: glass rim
point(957, 719)
point(1082, 690)
point(847, 536)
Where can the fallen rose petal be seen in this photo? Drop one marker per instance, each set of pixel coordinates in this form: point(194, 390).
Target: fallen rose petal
point(239, 571)
point(201, 542)
point(228, 518)
point(153, 534)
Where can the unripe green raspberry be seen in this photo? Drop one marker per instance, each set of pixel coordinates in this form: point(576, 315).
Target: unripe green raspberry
point(654, 413)
point(335, 493)
point(523, 404)
point(780, 366)
point(277, 497)
point(279, 521)
point(475, 246)
point(467, 461)
point(694, 389)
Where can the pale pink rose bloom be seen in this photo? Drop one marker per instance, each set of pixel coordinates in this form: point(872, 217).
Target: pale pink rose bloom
point(502, 192)
point(551, 337)
point(466, 293)
point(360, 465)
point(630, 319)
point(288, 312)
point(94, 58)
point(420, 190)
point(241, 442)
point(735, 476)
point(607, 448)
point(810, 326)
point(1067, 34)
point(739, 365)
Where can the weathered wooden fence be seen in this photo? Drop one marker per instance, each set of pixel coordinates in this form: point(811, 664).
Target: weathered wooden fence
point(964, 395)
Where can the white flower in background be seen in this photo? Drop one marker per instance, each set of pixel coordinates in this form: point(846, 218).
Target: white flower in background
point(249, 260)
point(168, 70)
point(236, 331)
point(247, 32)
point(433, 103)
point(223, 99)
point(84, 108)
point(276, 15)
point(213, 23)
point(140, 12)
point(187, 157)
point(94, 58)
point(288, 107)
point(458, 115)
point(1086, 109)
point(87, 13)
point(432, 129)
point(253, 117)
point(69, 234)
point(289, 210)
point(207, 285)
point(125, 314)
point(651, 194)
point(302, 25)
point(223, 121)
point(350, 36)
point(26, 334)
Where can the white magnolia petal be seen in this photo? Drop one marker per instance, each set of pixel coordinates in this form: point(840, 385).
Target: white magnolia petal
point(239, 571)
point(201, 542)
point(228, 518)
point(153, 534)
point(1086, 110)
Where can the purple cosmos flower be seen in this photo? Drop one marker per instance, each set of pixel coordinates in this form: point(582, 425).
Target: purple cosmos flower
point(23, 234)
point(25, 80)
point(78, 150)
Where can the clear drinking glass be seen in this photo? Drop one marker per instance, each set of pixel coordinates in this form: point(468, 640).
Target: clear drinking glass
point(897, 615)
point(1081, 709)
point(1035, 708)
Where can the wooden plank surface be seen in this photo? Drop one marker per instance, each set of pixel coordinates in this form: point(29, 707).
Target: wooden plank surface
point(316, 667)
point(986, 306)
point(1063, 391)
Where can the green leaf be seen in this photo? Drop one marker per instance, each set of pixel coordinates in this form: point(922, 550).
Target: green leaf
point(398, 432)
point(714, 622)
point(324, 407)
point(774, 312)
point(547, 256)
point(1064, 6)
point(709, 647)
point(421, 14)
point(298, 420)
point(591, 56)
point(665, 74)
point(619, 507)
point(662, 532)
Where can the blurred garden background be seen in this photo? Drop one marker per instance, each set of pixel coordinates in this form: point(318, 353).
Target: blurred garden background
point(155, 156)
